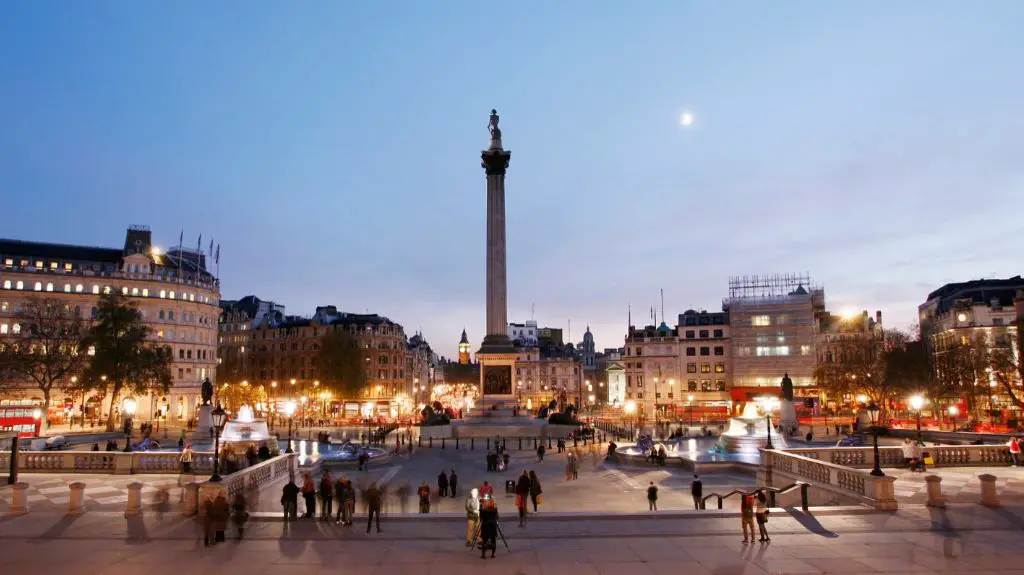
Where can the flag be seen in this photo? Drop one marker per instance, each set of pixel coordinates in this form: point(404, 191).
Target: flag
point(181, 238)
point(210, 253)
point(199, 243)
point(217, 257)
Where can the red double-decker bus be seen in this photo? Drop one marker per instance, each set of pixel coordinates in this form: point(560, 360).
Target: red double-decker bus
point(23, 416)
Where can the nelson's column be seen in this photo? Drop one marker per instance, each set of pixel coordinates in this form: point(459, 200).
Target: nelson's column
point(497, 356)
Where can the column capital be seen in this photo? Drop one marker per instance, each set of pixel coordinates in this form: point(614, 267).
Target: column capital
point(495, 162)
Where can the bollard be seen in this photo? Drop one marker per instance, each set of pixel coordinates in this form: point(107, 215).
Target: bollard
point(520, 443)
point(430, 441)
point(719, 501)
point(19, 501)
point(472, 443)
point(504, 445)
point(488, 444)
point(771, 497)
point(535, 443)
point(549, 443)
point(134, 504)
point(988, 490)
point(419, 441)
point(935, 499)
point(804, 501)
point(191, 499)
point(442, 443)
point(456, 443)
point(76, 504)
point(574, 440)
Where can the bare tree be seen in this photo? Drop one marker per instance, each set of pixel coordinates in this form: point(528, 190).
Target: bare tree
point(1007, 364)
point(878, 366)
point(43, 348)
point(962, 371)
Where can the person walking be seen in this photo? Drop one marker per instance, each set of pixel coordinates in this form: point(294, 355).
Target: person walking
point(535, 490)
point(424, 493)
point(372, 495)
point(522, 493)
point(697, 491)
point(186, 459)
point(442, 485)
point(652, 497)
point(762, 517)
point(326, 496)
point(239, 514)
point(453, 482)
point(575, 467)
point(488, 527)
point(290, 500)
point(1015, 451)
point(472, 516)
point(908, 453)
point(747, 505)
point(309, 495)
point(540, 453)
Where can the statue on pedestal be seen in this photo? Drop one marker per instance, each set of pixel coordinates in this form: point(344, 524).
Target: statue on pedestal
point(492, 125)
point(787, 411)
point(207, 392)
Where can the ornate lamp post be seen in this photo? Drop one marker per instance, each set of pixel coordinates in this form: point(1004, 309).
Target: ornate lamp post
point(630, 409)
point(128, 406)
point(289, 411)
point(873, 413)
point(917, 403)
point(768, 405)
point(219, 418)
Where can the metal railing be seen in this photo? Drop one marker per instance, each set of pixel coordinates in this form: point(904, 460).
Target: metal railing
point(770, 494)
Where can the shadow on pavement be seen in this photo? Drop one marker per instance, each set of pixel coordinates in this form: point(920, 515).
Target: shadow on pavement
point(810, 523)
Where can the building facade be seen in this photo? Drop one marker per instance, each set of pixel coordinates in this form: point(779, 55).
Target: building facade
point(524, 333)
point(705, 346)
point(773, 323)
point(549, 373)
point(176, 295)
point(652, 371)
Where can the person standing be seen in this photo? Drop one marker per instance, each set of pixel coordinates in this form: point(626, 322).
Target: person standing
point(535, 490)
point(453, 482)
point(522, 493)
point(652, 497)
point(339, 496)
point(372, 495)
point(186, 459)
point(348, 503)
point(1015, 451)
point(762, 517)
point(486, 490)
point(326, 496)
point(221, 512)
point(309, 495)
point(290, 500)
point(472, 516)
point(697, 491)
point(424, 493)
point(747, 516)
point(442, 485)
point(488, 527)
point(239, 514)
point(540, 453)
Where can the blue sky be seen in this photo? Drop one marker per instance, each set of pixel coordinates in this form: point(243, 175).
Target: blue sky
point(332, 148)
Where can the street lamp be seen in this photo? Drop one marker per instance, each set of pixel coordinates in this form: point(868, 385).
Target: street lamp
point(689, 403)
point(128, 406)
point(656, 418)
point(630, 409)
point(916, 403)
point(873, 413)
point(289, 411)
point(768, 414)
point(219, 417)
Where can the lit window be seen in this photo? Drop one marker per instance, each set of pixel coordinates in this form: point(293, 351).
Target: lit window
point(17, 328)
point(9, 262)
point(67, 288)
point(160, 333)
point(805, 350)
point(124, 291)
point(4, 306)
point(243, 350)
point(163, 293)
point(145, 292)
point(95, 289)
point(782, 350)
point(67, 266)
point(171, 295)
point(21, 284)
point(760, 321)
point(135, 291)
point(39, 286)
point(39, 265)
point(7, 284)
point(106, 289)
point(49, 286)
point(3, 328)
point(78, 288)
point(191, 297)
point(92, 350)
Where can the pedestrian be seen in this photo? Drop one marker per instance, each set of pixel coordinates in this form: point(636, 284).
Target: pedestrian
point(575, 467)
point(442, 484)
point(472, 516)
point(348, 503)
point(747, 505)
point(372, 497)
point(326, 496)
point(522, 493)
point(309, 495)
point(697, 491)
point(453, 481)
point(208, 538)
point(239, 514)
point(652, 497)
point(535, 490)
point(186, 459)
point(486, 490)
point(762, 517)
point(568, 467)
point(540, 453)
point(488, 527)
point(221, 512)
point(339, 496)
point(424, 493)
point(290, 500)
point(1015, 451)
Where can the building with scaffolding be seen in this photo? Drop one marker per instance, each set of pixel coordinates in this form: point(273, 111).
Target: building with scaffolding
point(773, 322)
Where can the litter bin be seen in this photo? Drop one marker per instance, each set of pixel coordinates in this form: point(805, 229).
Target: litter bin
point(510, 486)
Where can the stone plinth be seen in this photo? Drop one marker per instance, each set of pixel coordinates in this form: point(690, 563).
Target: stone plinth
point(204, 424)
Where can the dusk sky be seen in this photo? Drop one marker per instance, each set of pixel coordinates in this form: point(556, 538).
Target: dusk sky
point(332, 148)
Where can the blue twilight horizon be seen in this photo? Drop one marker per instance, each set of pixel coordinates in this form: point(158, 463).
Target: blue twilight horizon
point(332, 148)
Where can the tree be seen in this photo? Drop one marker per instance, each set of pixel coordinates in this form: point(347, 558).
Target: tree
point(961, 372)
point(1007, 363)
point(123, 359)
point(44, 348)
point(234, 396)
point(341, 364)
point(878, 366)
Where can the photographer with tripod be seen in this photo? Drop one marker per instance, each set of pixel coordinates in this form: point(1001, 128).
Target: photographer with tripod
point(489, 529)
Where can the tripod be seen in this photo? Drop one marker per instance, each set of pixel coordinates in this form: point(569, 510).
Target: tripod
point(476, 536)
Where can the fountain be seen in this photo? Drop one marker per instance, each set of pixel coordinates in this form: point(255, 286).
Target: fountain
point(245, 427)
point(748, 432)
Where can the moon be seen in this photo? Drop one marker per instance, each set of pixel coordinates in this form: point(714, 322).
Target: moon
point(686, 119)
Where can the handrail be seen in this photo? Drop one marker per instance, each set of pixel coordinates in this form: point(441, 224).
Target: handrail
point(770, 493)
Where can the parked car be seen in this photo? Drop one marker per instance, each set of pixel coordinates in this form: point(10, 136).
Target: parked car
point(55, 443)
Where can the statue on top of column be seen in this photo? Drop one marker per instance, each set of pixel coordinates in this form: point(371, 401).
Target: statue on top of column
point(492, 125)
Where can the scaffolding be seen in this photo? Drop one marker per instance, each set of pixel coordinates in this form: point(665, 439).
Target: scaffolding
point(768, 286)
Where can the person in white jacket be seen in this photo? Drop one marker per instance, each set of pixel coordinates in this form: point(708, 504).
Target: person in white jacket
point(472, 516)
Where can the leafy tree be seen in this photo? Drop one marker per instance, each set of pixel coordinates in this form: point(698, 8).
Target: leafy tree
point(44, 348)
point(236, 395)
point(123, 359)
point(878, 366)
point(341, 364)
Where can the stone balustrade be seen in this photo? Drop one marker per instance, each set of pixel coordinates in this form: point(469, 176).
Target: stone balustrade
point(113, 462)
point(243, 481)
point(892, 456)
point(781, 468)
